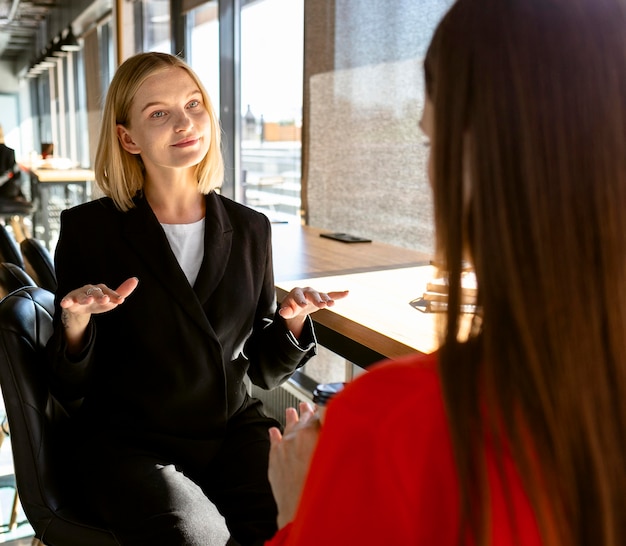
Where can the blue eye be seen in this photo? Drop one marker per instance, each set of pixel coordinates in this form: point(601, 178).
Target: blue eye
point(193, 104)
point(158, 114)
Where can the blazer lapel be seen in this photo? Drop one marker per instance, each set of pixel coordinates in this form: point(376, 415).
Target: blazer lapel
point(145, 235)
point(218, 237)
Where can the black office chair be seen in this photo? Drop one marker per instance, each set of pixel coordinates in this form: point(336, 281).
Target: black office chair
point(9, 248)
point(13, 277)
point(14, 207)
point(39, 263)
point(36, 422)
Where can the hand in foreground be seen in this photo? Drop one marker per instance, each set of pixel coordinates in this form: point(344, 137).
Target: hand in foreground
point(78, 306)
point(301, 302)
point(290, 457)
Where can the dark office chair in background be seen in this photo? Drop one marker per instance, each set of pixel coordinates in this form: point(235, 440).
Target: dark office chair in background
point(9, 248)
point(36, 422)
point(14, 207)
point(38, 263)
point(30, 255)
point(13, 277)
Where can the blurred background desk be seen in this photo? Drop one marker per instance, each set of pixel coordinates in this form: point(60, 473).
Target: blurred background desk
point(74, 186)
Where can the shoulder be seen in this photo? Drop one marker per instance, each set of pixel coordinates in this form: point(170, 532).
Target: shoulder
point(394, 417)
point(238, 214)
point(92, 210)
point(96, 221)
point(412, 374)
point(407, 386)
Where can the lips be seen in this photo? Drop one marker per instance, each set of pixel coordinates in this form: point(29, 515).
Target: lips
point(186, 142)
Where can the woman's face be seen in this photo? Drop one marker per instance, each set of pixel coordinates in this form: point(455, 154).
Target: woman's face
point(169, 125)
point(427, 124)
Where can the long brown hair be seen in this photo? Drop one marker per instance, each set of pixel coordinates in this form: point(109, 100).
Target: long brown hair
point(120, 174)
point(530, 112)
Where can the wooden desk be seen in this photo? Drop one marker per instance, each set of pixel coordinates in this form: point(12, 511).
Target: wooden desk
point(42, 180)
point(300, 253)
point(376, 320)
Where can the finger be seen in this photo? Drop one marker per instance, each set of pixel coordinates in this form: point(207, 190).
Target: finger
point(291, 305)
point(82, 296)
point(328, 298)
point(297, 298)
point(307, 414)
point(338, 295)
point(275, 436)
point(305, 408)
point(316, 298)
point(95, 291)
point(127, 287)
point(287, 312)
point(67, 301)
point(290, 309)
point(291, 418)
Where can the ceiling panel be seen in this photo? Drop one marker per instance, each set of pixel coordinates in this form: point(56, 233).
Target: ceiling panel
point(19, 23)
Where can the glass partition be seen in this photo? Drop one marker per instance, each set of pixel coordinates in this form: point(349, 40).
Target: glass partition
point(365, 169)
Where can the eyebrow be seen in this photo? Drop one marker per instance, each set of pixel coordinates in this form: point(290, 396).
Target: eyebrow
point(152, 104)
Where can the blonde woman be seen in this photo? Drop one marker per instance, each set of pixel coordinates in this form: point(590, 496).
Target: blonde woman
point(166, 300)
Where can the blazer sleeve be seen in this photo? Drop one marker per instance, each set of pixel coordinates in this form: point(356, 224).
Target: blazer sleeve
point(272, 350)
point(69, 376)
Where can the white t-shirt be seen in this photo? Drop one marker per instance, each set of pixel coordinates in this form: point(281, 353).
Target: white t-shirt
point(187, 242)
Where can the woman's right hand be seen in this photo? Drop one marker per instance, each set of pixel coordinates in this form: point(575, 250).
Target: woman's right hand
point(78, 306)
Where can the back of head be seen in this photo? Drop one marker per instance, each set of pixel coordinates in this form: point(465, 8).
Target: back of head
point(120, 174)
point(530, 180)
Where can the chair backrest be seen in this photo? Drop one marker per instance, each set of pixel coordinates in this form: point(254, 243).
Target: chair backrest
point(9, 248)
point(37, 422)
point(13, 277)
point(38, 263)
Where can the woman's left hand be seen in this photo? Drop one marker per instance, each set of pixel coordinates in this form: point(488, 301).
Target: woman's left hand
point(290, 457)
point(301, 302)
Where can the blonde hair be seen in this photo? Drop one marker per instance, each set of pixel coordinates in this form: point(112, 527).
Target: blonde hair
point(1, 135)
point(120, 174)
point(529, 105)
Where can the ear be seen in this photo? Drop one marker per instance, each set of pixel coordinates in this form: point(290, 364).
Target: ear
point(126, 140)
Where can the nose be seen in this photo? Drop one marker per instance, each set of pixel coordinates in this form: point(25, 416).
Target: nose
point(182, 121)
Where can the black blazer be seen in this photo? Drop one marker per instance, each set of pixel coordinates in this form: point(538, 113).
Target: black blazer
point(170, 361)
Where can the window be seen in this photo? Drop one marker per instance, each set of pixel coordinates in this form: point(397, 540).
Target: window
point(272, 41)
point(155, 19)
point(202, 30)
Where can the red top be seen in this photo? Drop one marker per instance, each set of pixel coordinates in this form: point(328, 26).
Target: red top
point(383, 472)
